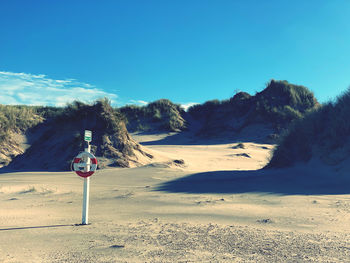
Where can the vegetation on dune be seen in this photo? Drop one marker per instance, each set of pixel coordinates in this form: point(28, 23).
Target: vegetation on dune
point(323, 133)
point(17, 119)
point(282, 102)
point(48, 112)
point(279, 104)
point(62, 137)
point(161, 115)
point(236, 106)
point(282, 93)
point(99, 115)
point(20, 118)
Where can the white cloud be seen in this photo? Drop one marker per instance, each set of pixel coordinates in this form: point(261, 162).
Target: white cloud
point(24, 88)
point(138, 102)
point(187, 105)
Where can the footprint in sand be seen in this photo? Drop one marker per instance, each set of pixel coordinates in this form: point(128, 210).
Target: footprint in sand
point(117, 246)
point(265, 221)
point(240, 155)
point(126, 195)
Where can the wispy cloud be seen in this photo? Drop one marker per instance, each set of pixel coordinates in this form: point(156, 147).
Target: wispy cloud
point(25, 88)
point(138, 102)
point(185, 106)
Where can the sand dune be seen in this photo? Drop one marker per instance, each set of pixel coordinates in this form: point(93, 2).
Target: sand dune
point(216, 207)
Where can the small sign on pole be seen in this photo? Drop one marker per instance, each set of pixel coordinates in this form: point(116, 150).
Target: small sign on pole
point(87, 136)
point(85, 164)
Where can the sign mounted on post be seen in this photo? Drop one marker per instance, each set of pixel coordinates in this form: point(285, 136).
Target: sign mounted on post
point(85, 164)
point(87, 136)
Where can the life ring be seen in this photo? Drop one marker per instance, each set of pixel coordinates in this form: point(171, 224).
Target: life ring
point(79, 165)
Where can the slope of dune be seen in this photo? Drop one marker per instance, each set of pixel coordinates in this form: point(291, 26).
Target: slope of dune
point(59, 139)
point(14, 122)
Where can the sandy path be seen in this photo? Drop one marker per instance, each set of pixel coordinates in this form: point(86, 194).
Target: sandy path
point(132, 220)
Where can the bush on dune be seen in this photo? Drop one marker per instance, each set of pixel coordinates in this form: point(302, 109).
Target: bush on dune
point(20, 118)
point(282, 103)
point(199, 111)
point(159, 115)
point(17, 118)
point(323, 133)
point(61, 138)
point(100, 115)
point(279, 104)
point(282, 93)
point(48, 112)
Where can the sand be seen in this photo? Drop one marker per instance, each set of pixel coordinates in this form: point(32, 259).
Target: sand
point(210, 209)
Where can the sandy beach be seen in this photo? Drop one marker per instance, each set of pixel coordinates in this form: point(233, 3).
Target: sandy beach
point(212, 131)
point(217, 206)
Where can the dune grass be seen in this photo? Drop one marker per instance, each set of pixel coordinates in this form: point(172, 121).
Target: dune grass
point(158, 115)
point(17, 119)
point(278, 105)
point(323, 133)
point(100, 113)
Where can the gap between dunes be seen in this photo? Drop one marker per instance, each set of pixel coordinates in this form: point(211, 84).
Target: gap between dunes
point(207, 156)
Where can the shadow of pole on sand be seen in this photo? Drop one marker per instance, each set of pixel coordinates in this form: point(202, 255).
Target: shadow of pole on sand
point(32, 227)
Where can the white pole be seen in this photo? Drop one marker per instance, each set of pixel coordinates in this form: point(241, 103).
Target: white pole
point(85, 217)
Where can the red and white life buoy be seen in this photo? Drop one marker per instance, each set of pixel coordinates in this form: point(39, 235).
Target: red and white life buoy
point(80, 164)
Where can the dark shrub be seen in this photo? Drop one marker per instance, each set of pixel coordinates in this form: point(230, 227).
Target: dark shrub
point(323, 133)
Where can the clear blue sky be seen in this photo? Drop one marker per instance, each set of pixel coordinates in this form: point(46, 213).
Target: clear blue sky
point(186, 51)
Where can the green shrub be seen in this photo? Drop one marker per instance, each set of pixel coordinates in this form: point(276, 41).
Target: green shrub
point(100, 114)
point(17, 119)
point(278, 105)
point(320, 133)
point(158, 115)
point(199, 111)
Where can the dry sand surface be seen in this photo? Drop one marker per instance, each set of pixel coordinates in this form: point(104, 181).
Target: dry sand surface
point(206, 210)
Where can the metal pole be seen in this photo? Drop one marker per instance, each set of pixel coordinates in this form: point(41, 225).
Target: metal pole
point(85, 216)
